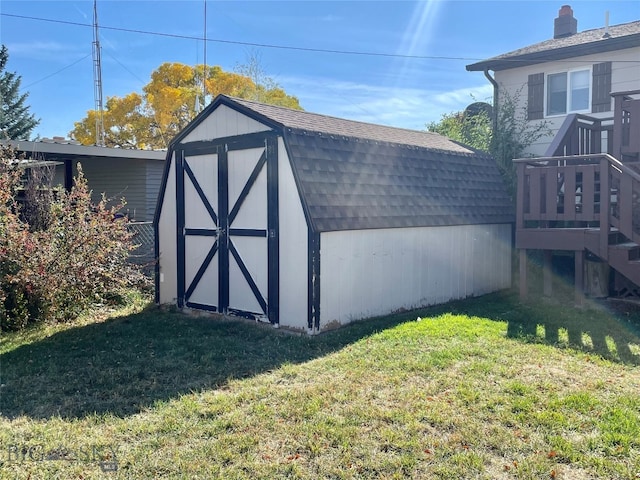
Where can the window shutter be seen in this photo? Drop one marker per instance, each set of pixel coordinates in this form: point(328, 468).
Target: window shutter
point(535, 98)
point(601, 88)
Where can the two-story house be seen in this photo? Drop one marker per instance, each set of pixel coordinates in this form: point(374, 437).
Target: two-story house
point(572, 73)
point(581, 193)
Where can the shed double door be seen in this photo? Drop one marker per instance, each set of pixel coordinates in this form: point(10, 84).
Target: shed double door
point(227, 215)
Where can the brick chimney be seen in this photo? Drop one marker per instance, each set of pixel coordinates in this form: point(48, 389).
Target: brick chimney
point(565, 25)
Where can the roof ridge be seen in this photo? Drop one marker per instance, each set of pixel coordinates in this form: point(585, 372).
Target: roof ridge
point(470, 151)
point(578, 34)
point(331, 117)
point(605, 27)
point(583, 42)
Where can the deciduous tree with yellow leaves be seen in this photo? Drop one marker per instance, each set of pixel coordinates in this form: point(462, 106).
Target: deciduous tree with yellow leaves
point(171, 100)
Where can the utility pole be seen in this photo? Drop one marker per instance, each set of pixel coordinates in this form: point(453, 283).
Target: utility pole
point(97, 79)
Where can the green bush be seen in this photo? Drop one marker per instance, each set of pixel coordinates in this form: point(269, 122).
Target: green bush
point(79, 258)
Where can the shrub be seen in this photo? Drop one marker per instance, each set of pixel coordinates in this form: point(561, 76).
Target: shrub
point(75, 259)
point(14, 311)
point(39, 194)
point(506, 139)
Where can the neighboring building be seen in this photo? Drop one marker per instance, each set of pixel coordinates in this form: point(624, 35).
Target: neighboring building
point(132, 174)
point(574, 72)
point(581, 195)
point(310, 222)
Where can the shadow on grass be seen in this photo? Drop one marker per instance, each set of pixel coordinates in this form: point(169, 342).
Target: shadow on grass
point(124, 365)
point(608, 328)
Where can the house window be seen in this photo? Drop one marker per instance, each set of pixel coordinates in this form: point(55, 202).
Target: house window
point(568, 92)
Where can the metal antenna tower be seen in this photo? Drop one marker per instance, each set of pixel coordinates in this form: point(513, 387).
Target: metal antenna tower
point(204, 66)
point(97, 79)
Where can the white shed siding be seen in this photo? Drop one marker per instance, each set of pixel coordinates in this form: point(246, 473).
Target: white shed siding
point(625, 76)
point(293, 247)
point(168, 242)
point(365, 273)
point(196, 216)
point(224, 122)
point(251, 215)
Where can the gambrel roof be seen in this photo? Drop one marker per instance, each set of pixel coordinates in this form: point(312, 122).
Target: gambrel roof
point(354, 175)
point(597, 40)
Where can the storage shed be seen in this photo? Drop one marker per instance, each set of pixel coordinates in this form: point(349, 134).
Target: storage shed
point(310, 222)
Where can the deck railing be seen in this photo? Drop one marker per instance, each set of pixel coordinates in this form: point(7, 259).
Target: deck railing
point(626, 132)
point(582, 135)
point(582, 191)
point(618, 135)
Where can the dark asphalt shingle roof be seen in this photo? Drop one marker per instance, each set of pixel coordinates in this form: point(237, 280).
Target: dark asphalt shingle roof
point(351, 183)
point(355, 175)
point(626, 35)
point(308, 121)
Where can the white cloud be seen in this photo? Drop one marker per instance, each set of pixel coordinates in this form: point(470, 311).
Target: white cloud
point(48, 51)
point(400, 107)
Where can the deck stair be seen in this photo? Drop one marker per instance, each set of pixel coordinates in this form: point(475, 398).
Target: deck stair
point(625, 259)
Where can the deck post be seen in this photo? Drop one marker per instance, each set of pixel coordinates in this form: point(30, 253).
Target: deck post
point(520, 169)
point(605, 207)
point(547, 276)
point(579, 277)
point(523, 273)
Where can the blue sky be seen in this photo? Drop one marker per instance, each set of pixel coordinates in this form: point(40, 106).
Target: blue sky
point(398, 88)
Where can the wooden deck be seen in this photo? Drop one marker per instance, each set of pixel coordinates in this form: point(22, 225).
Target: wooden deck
point(581, 200)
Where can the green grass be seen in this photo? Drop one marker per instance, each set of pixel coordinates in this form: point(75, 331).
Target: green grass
point(483, 388)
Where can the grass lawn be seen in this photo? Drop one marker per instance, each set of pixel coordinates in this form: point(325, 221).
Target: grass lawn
point(483, 388)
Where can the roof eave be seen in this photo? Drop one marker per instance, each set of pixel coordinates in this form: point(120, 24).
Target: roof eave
point(545, 56)
point(75, 150)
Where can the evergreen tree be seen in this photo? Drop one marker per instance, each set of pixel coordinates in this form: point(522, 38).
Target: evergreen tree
point(16, 123)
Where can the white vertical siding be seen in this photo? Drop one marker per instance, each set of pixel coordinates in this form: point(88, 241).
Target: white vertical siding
point(167, 240)
point(205, 169)
point(253, 211)
point(293, 247)
point(224, 122)
point(625, 76)
point(252, 214)
point(373, 272)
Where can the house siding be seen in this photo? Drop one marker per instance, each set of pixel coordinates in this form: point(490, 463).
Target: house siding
point(375, 272)
point(118, 178)
point(138, 181)
point(152, 187)
point(625, 75)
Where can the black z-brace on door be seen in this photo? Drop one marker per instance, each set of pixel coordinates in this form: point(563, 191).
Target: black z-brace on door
point(224, 232)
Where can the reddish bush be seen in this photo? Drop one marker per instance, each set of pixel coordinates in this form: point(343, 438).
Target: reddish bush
point(78, 259)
